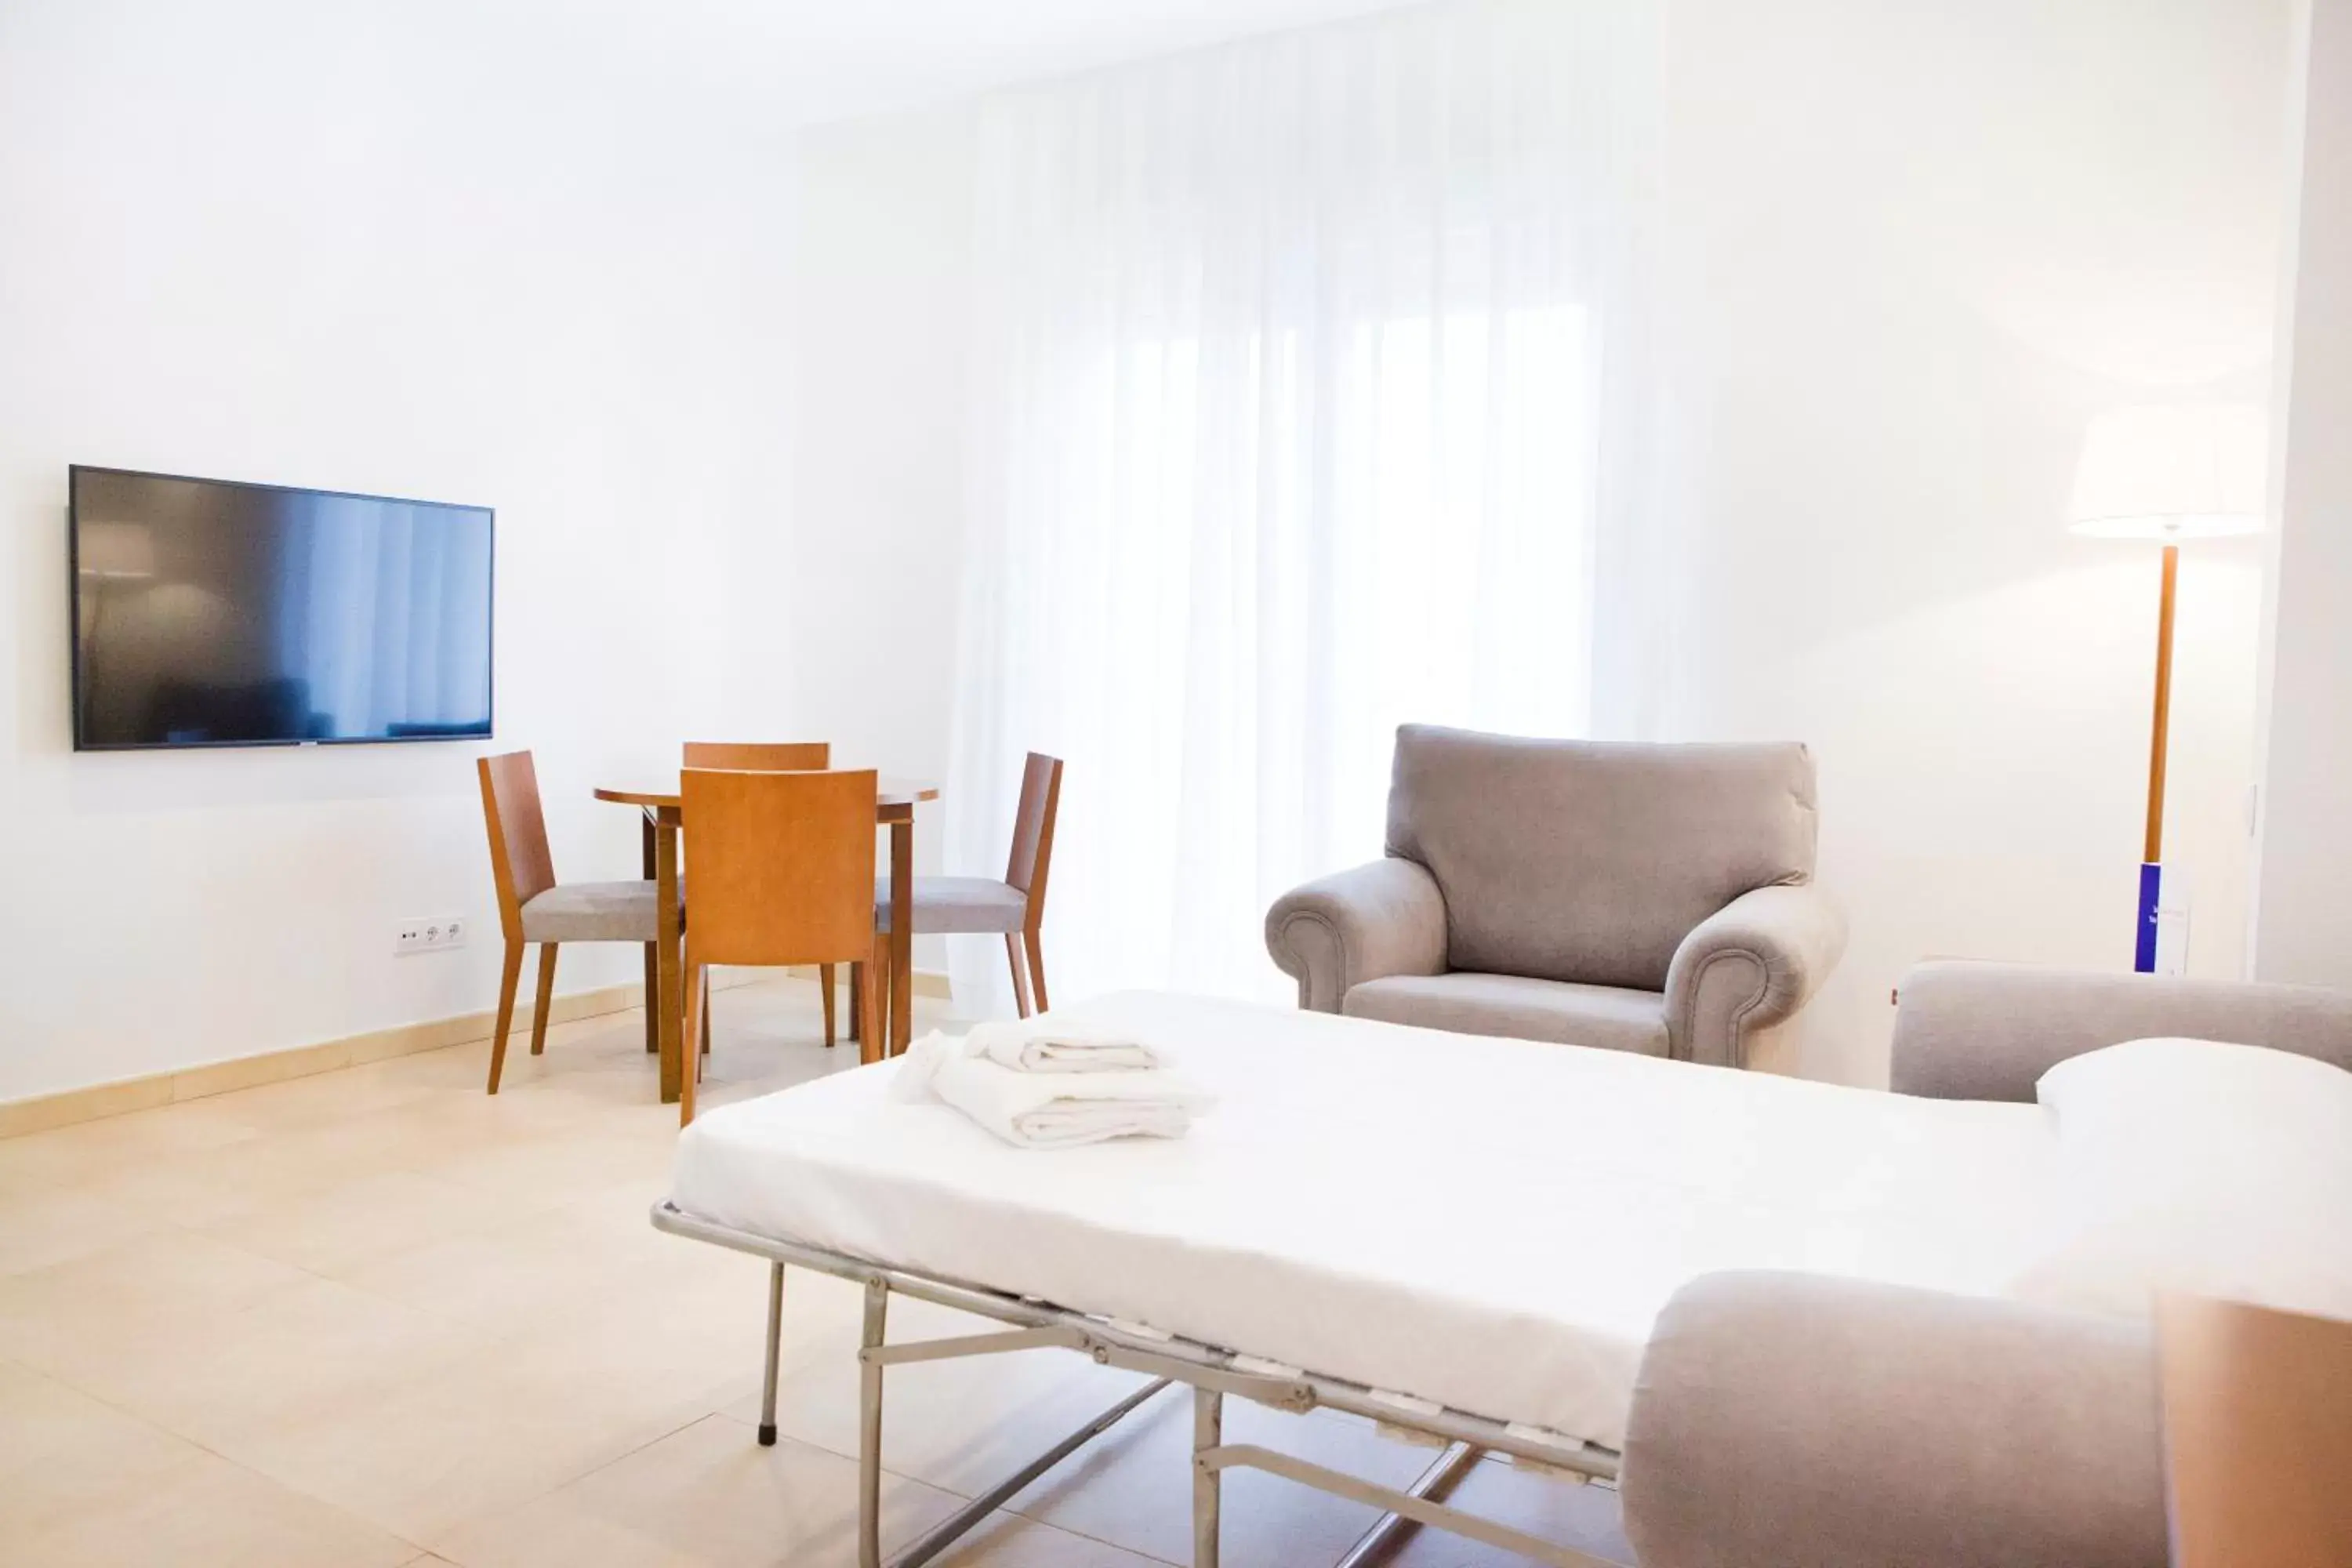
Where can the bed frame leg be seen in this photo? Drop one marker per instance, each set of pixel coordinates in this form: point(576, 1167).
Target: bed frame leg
point(1208, 1432)
point(775, 1354)
point(869, 1429)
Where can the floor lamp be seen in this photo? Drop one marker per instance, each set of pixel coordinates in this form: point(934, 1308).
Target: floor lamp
point(2169, 473)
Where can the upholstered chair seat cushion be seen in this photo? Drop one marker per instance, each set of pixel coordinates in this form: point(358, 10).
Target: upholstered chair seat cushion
point(1590, 861)
point(591, 911)
point(948, 905)
point(1609, 1017)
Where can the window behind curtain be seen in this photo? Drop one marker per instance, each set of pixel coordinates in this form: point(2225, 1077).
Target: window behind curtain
point(1294, 376)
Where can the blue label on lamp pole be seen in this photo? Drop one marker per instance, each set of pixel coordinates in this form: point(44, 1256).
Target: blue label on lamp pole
point(2151, 889)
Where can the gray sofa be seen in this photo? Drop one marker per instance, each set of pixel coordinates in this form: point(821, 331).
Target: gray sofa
point(1784, 1419)
point(1639, 897)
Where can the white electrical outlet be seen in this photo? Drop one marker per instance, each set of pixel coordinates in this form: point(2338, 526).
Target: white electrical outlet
point(429, 933)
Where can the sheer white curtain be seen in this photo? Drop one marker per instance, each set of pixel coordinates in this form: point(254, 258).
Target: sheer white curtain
point(1304, 370)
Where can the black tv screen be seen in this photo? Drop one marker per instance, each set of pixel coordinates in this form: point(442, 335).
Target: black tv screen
point(213, 613)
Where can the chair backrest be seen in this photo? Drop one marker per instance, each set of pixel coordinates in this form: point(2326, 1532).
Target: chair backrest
point(783, 867)
point(1590, 861)
point(520, 860)
point(1033, 830)
point(761, 756)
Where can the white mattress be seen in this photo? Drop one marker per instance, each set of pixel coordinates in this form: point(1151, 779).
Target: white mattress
point(1489, 1223)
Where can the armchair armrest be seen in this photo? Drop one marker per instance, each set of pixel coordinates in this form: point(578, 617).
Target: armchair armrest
point(1383, 919)
point(1748, 967)
point(1787, 1418)
point(1988, 1031)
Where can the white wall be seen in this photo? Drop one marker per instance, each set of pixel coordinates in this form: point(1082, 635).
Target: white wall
point(2303, 920)
point(1909, 251)
point(1906, 253)
point(881, 283)
point(429, 250)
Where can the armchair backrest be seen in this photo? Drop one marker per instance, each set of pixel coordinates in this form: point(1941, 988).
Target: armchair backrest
point(1588, 860)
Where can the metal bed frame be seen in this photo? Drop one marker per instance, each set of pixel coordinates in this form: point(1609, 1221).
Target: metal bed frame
point(1210, 1372)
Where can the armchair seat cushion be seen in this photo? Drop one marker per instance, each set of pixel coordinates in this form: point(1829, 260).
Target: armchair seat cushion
point(1609, 1017)
point(591, 911)
point(952, 905)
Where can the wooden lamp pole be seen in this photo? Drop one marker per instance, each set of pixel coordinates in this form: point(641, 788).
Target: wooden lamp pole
point(2151, 871)
point(2169, 473)
point(2158, 734)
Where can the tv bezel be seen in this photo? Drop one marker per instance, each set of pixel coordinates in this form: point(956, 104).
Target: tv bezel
point(73, 629)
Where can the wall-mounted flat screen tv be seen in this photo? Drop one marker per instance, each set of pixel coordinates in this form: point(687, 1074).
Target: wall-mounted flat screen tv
point(214, 614)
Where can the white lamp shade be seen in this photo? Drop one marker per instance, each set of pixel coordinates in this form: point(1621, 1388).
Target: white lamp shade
point(2172, 471)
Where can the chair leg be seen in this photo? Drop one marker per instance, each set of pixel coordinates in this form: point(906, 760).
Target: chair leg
point(649, 856)
point(1020, 979)
point(857, 1026)
point(1036, 968)
point(652, 990)
point(697, 1018)
point(873, 1039)
point(824, 983)
point(878, 1003)
point(707, 1011)
point(509, 979)
point(546, 998)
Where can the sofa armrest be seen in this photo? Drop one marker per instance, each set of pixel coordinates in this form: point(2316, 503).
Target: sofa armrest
point(1988, 1031)
point(1787, 1418)
point(1386, 918)
point(1748, 966)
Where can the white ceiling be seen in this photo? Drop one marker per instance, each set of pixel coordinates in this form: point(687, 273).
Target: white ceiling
point(829, 59)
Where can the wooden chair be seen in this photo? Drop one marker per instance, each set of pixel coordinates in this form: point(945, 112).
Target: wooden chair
point(783, 874)
point(780, 757)
point(761, 756)
point(534, 907)
point(950, 906)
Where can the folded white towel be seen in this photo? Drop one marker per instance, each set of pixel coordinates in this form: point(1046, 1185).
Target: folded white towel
point(1063, 1110)
point(1044, 1045)
point(1048, 1111)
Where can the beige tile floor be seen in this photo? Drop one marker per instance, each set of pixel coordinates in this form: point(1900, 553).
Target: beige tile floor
point(376, 1317)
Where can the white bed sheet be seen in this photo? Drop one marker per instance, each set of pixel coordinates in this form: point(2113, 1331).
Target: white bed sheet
point(1489, 1223)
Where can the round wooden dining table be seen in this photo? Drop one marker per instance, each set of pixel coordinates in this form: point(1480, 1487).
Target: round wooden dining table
point(895, 800)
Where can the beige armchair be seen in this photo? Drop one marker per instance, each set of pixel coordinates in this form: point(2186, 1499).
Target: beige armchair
point(1640, 898)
